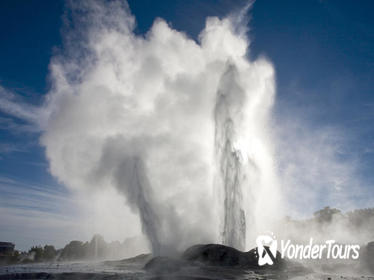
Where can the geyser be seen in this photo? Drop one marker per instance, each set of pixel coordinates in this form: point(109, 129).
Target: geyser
point(228, 112)
point(178, 127)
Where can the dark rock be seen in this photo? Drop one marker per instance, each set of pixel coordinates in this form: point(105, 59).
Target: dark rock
point(368, 256)
point(201, 257)
point(221, 255)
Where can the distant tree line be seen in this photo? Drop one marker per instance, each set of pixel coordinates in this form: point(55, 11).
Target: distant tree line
point(97, 248)
point(357, 217)
point(355, 226)
point(327, 215)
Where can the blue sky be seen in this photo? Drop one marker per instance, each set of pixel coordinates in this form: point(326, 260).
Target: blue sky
point(322, 52)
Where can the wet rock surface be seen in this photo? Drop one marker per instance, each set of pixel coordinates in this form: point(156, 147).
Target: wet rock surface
point(222, 262)
point(221, 255)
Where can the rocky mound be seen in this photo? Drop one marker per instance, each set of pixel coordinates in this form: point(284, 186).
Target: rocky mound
point(202, 257)
point(221, 255)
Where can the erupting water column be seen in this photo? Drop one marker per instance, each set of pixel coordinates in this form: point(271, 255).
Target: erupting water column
point(230, 173)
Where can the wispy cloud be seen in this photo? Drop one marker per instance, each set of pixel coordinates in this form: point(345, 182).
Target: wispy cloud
point(33, 214)
point(7, 148)
point(16, 107)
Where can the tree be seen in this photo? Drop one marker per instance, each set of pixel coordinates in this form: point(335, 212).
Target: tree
point(73, 251)
point(49, 253)
point(36, 252)
point(325, 215)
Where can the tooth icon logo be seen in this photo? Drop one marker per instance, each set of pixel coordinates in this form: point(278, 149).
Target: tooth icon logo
point(266, 249)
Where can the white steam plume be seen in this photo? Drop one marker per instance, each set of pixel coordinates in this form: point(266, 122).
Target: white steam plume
point(148, 116)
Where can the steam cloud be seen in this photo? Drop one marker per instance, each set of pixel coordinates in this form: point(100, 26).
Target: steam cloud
point(178, 127)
